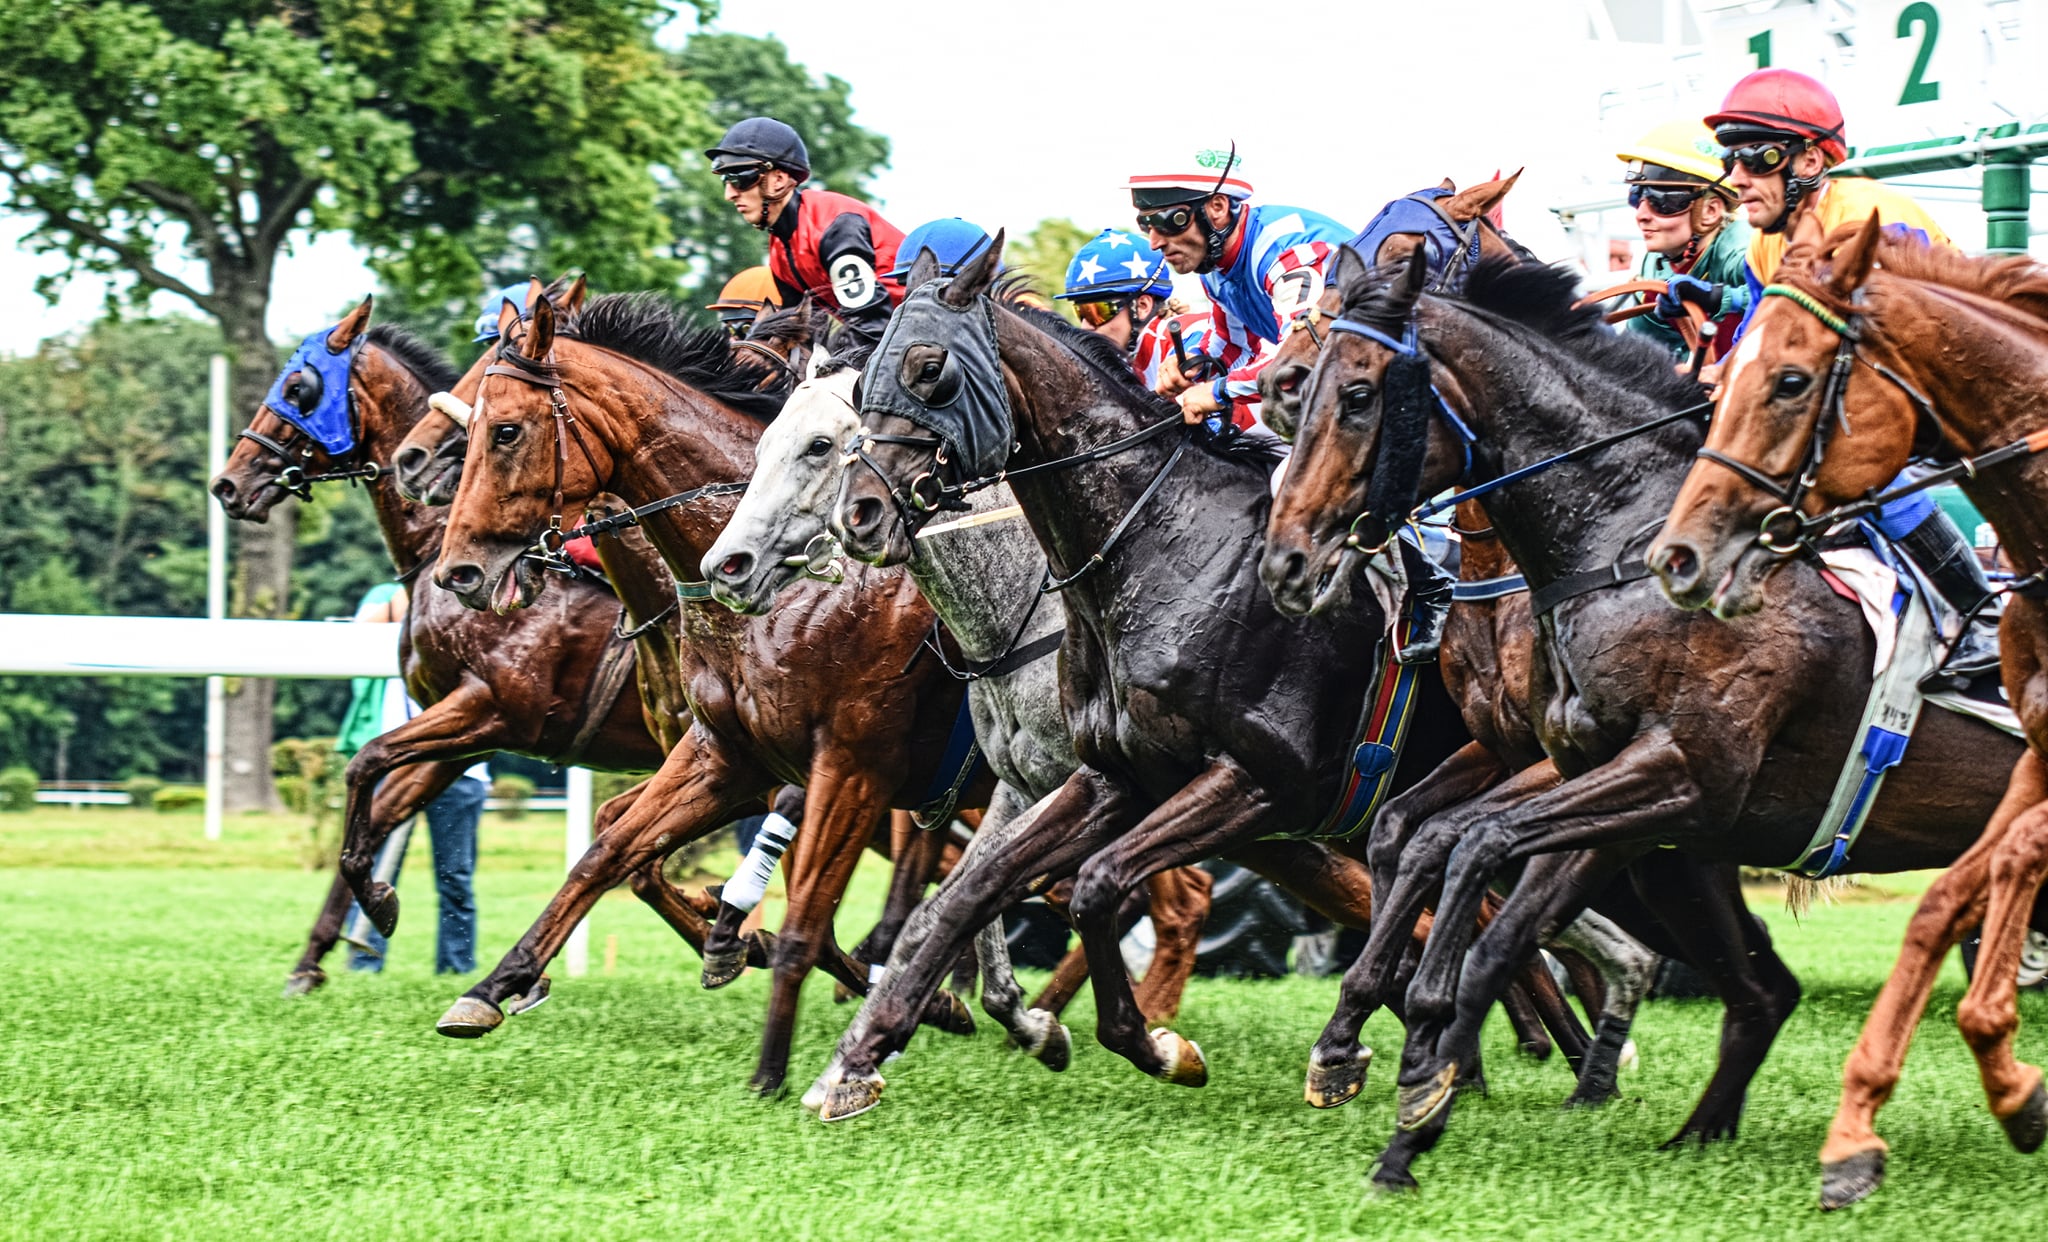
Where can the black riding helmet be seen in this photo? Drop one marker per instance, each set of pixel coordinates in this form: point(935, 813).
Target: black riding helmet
point(761, 140)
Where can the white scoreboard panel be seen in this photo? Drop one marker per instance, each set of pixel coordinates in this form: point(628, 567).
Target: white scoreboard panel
point(1905, 70)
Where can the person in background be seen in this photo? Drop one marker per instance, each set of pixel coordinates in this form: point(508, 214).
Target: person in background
point(1685, 209)
point(487, 312)
point(1120, 288)
point(377, 706)
point(743, 299)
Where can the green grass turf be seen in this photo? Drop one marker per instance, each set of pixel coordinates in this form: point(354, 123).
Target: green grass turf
point(153, 1084)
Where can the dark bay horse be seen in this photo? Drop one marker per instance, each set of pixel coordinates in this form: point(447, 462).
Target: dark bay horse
point(1202, 719)
point(552, 683)
point(833, 692)
point(1948, 358)
point(1661, 728)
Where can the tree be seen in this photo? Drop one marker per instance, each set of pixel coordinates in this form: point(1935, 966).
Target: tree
point(1043, 254)
point(130, 132)
point(746, 76)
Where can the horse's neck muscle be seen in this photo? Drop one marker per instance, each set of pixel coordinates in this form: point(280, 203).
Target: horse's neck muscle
point(981, 581)
point(662, 445)
point(392, 403)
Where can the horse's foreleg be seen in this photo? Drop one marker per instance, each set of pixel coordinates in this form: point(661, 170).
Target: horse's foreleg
point(460, 726)
point(698, 788)
point(649, 884)
point(915, 853)
point(1625, 972)
point(1468, 772)
point(1989, 1014)
point(1853, 1158)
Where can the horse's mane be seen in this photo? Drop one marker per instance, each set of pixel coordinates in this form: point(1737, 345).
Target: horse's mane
point(789, 323)
point(429, 365)
point(2018, 281)
point(1543, 298)
point(850, 349)
point(650, 328)
point(1101, 356)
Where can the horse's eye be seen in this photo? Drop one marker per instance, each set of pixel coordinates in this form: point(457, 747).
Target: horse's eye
point(929, 371)
point(504, 433)
point(818, 447)
point(1791, 384)
point(1356, 398)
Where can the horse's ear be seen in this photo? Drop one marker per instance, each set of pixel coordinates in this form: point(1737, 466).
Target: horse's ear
point(536, 292)
point(579, 289)
point(1347, 273)
point(1480, 199)
point(1408, 284)
point(508, 315)
point(542, 336)
point(976, 275)
point(350, 327)
point(923, 269)
point(1853, 259)
point(1447, 184)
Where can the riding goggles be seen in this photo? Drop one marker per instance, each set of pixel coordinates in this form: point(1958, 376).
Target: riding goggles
point(1095, 314)
point(1759, 157)
point(745, 178)
point(1665, 200)
point(1172, 221)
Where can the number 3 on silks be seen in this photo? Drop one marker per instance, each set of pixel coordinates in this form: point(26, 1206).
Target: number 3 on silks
point(853, 281)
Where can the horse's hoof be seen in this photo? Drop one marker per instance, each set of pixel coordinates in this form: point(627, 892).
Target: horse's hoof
point(1426, 1101)
point(1851, 1180)
point(1591, 1095)
point(850, 1097)
point(1182, 1060)
point(529, 1001)
point(722, 966)
point(469, 1018)
point(380, 903)
point(761, 949)
point(813, 1098)
point(303, 982)
point(767, 1086)
point(1330, 1086)
point(2029, 1126)
point(1054, 1047)
point(841, 994)
point(1393, 1181)
point(949, 1013)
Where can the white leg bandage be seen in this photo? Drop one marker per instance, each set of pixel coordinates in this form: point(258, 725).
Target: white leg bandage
point(750, 883)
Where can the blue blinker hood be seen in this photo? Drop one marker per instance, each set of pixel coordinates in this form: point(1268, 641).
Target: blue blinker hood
point(324, 407)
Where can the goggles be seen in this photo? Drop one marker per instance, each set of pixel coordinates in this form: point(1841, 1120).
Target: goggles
point(1095, 314)
point(1761, 158)
point(1171, 221)
point(1665, 200)
point(745, 178)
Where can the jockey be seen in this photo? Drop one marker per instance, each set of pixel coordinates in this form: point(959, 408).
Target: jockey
point(1782, 132)
point(487, 317)
point(829, 246)
point(1683, 206)
point(1120, 288)
point(951, 240)
point(1259, 265)
point(743, 299)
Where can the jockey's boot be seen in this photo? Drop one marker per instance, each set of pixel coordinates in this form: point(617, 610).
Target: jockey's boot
point(1937, 546)
point(1428, 603)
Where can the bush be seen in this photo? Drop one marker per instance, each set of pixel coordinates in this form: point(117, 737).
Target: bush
point(513, 791)
point(310, 781)
point(18, 788)
point(292, 791)
point(141, 789)
point(179, 798)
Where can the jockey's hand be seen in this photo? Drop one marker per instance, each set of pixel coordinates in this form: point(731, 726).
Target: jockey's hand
point(1680, 290)
point(1171, 381)
point(1198, 403)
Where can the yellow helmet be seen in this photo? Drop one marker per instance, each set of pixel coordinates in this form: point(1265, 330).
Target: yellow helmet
point(1679, 151)
point(749, 291)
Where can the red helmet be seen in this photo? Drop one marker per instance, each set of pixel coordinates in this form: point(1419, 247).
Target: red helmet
point(1782, 103)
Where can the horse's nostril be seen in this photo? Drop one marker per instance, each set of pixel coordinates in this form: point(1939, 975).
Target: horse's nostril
point(463, 578)
point(1676, 563)
point(410, 459)
point(736, 566)
point(863, 513)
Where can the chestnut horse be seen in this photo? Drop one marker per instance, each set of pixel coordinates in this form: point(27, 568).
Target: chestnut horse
point(547, 683)
point(833, 692)
point(1661, 728)
point(1945, 356)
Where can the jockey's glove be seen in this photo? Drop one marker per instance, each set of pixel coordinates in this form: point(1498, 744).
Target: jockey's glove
point(1680, 290)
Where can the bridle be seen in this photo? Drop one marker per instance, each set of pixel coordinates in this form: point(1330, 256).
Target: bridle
point(1785, 530)
point(297, 449)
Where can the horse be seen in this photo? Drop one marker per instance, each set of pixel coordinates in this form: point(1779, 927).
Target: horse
point(1661, 728)
point(1954, 362)
point(1204, 722)
point(546, 683)
point(834, 692)
point(982, 580)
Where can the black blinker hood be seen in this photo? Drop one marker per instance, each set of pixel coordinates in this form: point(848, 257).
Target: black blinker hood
point(969, 403)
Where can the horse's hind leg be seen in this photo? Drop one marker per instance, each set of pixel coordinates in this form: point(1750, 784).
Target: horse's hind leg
point(1626, 970)
point(916, 854)
point(307, 975)
point(1853, 1158)
point(1468, 772)
point(1179, 905)
point(1989, 1014)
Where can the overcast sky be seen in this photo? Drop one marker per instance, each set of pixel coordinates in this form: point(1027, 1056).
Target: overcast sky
point(1007, 115)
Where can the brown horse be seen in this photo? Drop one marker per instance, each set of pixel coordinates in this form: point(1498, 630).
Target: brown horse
point(1661, 729)
point(1925, 352)
point(548, 683)
point(832, 692)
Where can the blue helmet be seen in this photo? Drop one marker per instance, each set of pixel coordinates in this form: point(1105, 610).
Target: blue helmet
point(1116, 264)
point(952, 241)
point(487, 320)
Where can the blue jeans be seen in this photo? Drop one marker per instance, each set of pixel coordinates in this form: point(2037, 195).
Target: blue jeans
point(451, 827)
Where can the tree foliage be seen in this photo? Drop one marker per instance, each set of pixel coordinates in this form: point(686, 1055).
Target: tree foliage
point(1044, 252)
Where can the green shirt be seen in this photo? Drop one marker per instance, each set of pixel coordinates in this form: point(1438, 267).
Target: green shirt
point(1721, 262)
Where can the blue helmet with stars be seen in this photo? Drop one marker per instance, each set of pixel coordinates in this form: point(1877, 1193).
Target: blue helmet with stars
point(1115, 263)
point(952, 241)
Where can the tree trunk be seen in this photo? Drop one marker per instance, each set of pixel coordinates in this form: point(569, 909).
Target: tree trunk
point(261, 582)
